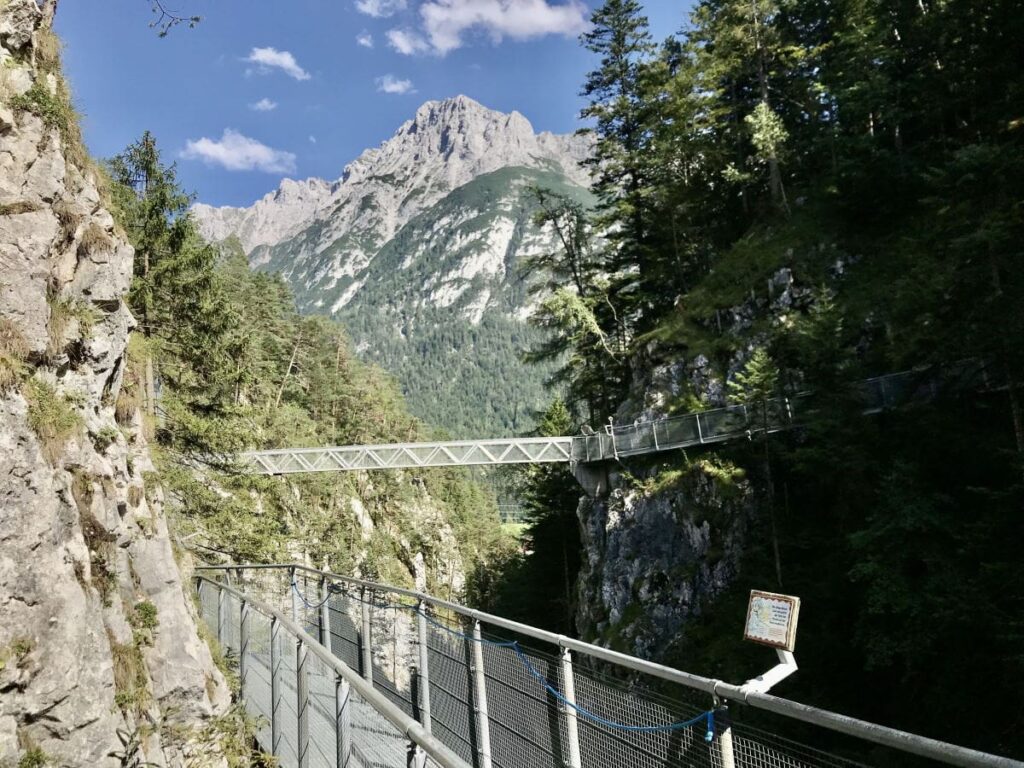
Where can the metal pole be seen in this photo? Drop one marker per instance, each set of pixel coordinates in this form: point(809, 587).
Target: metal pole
point(302, 703)
point(325, 614)
point(569, 707)
point(654, 433)
point(483, 725)
point(364, 637)
point(220, 616)
point(295, 596)
point(725, 750)
point(243, 647)
point(700, 434)
point(424, 670)
point(275, 688)
point(343, 732)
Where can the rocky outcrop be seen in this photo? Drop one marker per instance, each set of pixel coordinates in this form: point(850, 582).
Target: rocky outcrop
point(100, 660)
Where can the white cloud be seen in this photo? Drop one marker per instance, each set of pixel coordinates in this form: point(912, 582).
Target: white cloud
point(446, 21)
point(236, 152)
point(267, 59)
point(264, 105)
point(380, 9)
point(365, 39)
point(407, 42)
point(312, 139)
point(391, 84)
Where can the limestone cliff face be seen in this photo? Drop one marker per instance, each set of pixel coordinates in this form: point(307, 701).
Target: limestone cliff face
point(99, 653)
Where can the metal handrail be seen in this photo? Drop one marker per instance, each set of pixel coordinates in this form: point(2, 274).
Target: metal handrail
point(408, 727)
point(920, 746)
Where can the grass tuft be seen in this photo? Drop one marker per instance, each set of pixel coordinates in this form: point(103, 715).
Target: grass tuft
point(51, 417)
point(14, 351)
point(18, 207)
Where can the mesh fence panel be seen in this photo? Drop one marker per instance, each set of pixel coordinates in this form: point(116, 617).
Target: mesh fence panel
point(345, 620)
point(525, 725)
point(257, 677)
point(393, 647)
point(451, 708)
point(287, 695)
point(322, 720)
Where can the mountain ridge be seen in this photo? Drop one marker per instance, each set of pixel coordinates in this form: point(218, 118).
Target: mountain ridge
point(418, 248)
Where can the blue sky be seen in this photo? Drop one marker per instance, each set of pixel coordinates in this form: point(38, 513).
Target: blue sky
point(263, 89)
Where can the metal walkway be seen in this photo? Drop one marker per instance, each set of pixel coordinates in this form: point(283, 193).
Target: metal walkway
point(343, 673)
point(611, 442)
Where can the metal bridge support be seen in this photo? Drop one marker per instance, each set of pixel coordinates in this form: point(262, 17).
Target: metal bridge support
point(364, 636)
point(572, 733)
point(483, 724)
point(220, 616)
point(275, 688)
point(593, 477)
point(302, 703)
point(244, 621)
point(295, 595)
point(723, 724)
point(342, 723)
point(424, 670)
point(325, 614)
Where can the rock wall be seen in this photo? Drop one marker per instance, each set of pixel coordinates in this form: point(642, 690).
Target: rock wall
point(100, 660)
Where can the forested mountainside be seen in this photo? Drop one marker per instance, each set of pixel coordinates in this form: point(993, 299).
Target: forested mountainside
point(238, 368)
point(419, 249)
point(798, 195)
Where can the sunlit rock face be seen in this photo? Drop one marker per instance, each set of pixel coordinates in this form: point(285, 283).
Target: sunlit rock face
point(83, 538)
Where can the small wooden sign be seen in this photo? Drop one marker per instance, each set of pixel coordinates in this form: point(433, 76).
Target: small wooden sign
point(771, 619)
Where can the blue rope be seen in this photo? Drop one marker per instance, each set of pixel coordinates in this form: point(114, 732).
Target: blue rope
point(708, 717)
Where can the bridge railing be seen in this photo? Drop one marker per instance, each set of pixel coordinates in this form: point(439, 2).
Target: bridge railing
point(311, 709)
point(499, 694)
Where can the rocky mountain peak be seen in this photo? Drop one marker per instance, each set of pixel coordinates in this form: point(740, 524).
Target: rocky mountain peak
point(445, 145)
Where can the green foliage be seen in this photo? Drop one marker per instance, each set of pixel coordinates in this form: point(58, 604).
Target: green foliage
point(836, 187)
point(34, 757)
point(144, 616)
point(535, 583)
point(51, 416)
point(40, 102)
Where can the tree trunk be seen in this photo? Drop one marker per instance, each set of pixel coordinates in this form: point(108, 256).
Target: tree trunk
point(287, 373)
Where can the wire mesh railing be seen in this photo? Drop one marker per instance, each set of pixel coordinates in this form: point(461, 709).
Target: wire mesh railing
point(312, 710)
point(498, 694)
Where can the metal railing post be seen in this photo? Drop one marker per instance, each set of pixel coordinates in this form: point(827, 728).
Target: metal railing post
point(325, 614)
point(244, 620)
point(220, 616)
point(654, 434)
point(294, 588)
point(275, 688)
point(424, 669)
point(483, 725)
point(572, 733)
point(700, 432)
point(723, 726)
point(342, 723)
point(302, 703)
point(364, 636)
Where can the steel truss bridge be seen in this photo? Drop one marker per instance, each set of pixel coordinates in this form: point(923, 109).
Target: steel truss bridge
point(342, 673)
point(614, 442)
